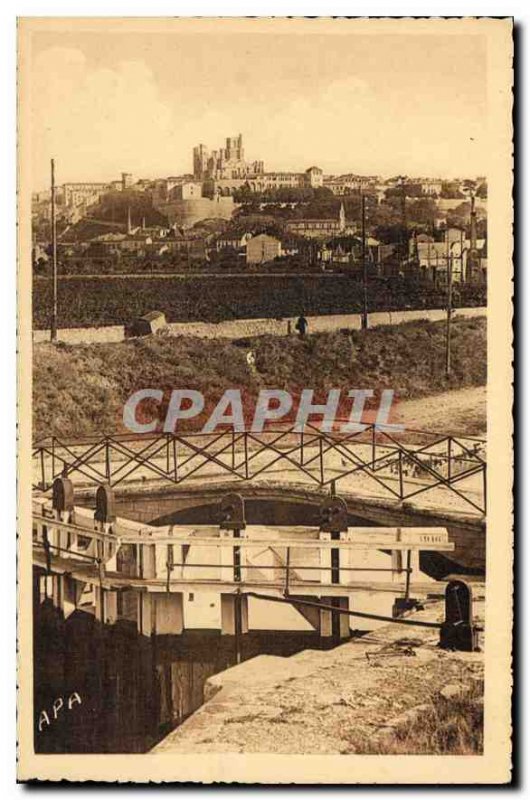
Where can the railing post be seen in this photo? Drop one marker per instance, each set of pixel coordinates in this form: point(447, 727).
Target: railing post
point(53, 458)
point(335, 560)
point(107, 460)
point(233, 449)
point(245, 441)
point(449, 457)
point(175, 461)
point(400, 461)
point(237, 559)
point(321, 458)
point(407, 577)
point(170, 561)
point(405, 603)
point(167, 454)
point(302, 449)
point(484, 487)
point(374, 445)
point(234, 607)
point(287, 571)
point(333, 521)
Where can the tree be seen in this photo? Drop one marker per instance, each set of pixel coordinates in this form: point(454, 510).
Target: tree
point(423, 211)
point(459, 217)
point(390, 234)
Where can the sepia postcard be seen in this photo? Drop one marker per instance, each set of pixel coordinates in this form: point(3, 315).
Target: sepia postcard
point(265, 400)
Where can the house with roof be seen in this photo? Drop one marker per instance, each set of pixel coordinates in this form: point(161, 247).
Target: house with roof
point(347, 250)
point(456, 252)
point(320, 228)
point(232, 241)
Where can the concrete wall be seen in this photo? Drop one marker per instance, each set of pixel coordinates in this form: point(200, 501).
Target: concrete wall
point(234, 329)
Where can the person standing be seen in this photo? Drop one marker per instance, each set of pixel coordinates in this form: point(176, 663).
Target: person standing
point(301, 326)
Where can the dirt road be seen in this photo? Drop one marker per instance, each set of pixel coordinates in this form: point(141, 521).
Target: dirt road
point(461, 411)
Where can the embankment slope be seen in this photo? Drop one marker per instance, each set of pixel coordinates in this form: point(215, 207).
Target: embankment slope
point(80, 390)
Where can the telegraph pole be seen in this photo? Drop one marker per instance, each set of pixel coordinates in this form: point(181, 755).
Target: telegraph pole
point(364, 317)
point(449, 313)
point(403, 240)
point(54, 258)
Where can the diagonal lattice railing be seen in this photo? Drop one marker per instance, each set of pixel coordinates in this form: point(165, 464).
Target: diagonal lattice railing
point(402, 468)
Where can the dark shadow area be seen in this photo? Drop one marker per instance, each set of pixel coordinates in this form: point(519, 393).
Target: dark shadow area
point(107, 689)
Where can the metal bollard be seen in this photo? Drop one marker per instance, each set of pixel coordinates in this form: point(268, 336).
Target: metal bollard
point(334, 515)
point(63, 506)
point(457, 631)
point(63, 495)
point(232, 512)
point(105, 504)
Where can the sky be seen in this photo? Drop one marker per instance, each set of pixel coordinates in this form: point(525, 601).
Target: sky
point(110, 102)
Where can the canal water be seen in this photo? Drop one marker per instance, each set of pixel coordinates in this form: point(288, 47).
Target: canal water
point(122, 692)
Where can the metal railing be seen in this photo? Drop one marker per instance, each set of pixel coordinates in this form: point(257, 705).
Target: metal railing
point(401, 466)
point(170, 557)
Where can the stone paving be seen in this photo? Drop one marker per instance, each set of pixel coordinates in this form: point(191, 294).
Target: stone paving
point(345, 700)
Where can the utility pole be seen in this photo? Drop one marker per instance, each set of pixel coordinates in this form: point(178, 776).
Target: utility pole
point(472, 256)
point(449, 313)
point(403, 240)
point(53, 327)
point(364, 318)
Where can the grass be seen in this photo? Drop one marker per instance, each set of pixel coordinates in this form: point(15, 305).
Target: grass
point(449, 727)
point(81, 389)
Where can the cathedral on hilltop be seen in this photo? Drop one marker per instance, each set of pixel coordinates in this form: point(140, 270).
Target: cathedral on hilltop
point(222, 172)
point(226, 163)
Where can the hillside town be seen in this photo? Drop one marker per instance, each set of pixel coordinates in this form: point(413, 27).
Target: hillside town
point(232, 215)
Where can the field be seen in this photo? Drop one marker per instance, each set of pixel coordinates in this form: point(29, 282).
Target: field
point(87, 302)
point(80, 389)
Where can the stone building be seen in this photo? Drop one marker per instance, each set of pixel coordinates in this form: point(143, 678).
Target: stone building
point(349, 184)
point(224, 171)
point(431, 186)
point(83, 194)
point(232, 241)
point(165, 190)
point(313, 178)
point(466, 257)
point(319, 228)
point(225, 163)
point(182, 201)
